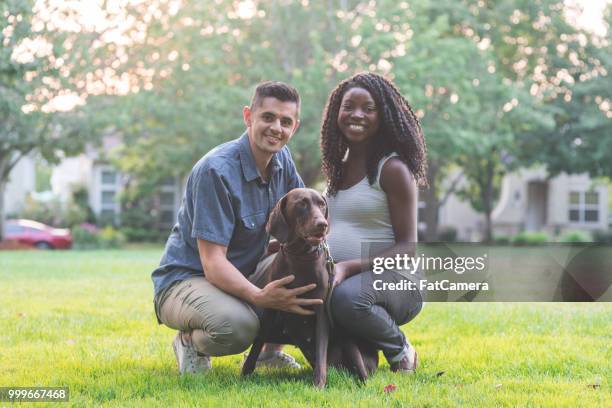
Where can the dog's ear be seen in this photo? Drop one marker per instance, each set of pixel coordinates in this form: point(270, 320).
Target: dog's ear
point(277, 223)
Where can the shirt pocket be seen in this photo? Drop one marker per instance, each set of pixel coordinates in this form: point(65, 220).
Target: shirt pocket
point(254, 222)
point(251, 230)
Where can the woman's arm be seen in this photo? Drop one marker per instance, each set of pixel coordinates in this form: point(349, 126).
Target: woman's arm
point(400, 187)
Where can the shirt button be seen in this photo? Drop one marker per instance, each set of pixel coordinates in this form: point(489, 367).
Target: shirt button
point(252, 224)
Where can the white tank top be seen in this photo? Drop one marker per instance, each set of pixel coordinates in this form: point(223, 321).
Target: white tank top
point(359, 214)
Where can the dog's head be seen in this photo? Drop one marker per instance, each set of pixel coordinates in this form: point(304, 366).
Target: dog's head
point(301, 213)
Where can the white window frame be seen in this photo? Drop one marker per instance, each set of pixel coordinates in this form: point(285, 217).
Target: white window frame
point(114, 188)
point(582, 207)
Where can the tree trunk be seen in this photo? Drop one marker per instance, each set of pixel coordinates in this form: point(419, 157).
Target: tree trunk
point(487, 201)
point(3, 183)
point(432, 205)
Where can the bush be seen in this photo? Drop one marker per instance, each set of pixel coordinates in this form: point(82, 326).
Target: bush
point(144, 235)
point(52, 212)
point(447, 234)
point(530, 238)
point(47, 212)
point(111, 238)
point(502, 239)
point(85, 236)
point(575, 237)
point(602, 237)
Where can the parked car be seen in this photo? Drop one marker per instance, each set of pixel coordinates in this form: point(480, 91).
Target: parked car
point(38, 235)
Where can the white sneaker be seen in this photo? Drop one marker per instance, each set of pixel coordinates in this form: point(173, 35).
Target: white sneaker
point(275, 359)
point(187, 357)
point(408, 363)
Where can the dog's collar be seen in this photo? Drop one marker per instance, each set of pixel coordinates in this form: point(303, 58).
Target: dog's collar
point(302, 252)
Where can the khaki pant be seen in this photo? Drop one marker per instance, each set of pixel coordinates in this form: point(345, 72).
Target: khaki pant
point(220, 324)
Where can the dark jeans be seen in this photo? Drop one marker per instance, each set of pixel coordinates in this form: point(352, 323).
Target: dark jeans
point(374, 315)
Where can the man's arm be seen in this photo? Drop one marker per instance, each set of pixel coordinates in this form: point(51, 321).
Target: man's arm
point(221, 273)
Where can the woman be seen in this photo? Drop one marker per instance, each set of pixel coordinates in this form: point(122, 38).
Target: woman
point(374, 156)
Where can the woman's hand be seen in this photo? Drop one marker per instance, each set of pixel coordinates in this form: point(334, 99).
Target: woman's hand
point(340, 273)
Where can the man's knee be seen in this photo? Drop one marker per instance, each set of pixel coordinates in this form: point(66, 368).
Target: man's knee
point(230, 332)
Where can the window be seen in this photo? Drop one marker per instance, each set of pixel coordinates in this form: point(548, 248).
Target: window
point(167, 199)
point(168, 182)
point(167, 217)
point(14, 229)
point(109, 177)
point(421, 211)
point(108, 197)
point(583, 206)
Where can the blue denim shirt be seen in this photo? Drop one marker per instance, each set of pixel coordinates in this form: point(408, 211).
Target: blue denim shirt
point(226, 202)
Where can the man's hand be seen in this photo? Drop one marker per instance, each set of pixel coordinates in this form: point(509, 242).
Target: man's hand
point(275, 296)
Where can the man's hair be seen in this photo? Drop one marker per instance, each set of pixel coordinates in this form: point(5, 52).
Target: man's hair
point(275, 89)
point(399, 131)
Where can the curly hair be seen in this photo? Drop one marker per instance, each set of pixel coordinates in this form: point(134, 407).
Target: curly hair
point(399, 131)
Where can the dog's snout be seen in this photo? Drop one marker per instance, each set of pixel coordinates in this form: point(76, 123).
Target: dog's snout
point(321, 225)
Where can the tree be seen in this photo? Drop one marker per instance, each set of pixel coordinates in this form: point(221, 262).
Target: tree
point(32, 77)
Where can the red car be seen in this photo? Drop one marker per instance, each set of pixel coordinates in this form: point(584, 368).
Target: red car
point(38, 235)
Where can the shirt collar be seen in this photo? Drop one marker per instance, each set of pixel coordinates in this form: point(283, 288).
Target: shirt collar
point(247, 161)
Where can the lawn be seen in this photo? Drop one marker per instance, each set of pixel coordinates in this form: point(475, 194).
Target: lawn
point(85, 320)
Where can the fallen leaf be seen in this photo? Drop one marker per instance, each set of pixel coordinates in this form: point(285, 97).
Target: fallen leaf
point(21, 314)
point(593, 386)
point(498, 386)
point(390, 388)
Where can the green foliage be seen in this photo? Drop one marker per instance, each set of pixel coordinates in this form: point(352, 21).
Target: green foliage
point(29, 82)
point(110, 238)
point(49, 212)
point(85, 238)
point(531, 238)
point(502, 239)
point(447, 234)
point(57, 214)
point(575, 237)
point(143, 234)
point(43, 177)
point(603, 237)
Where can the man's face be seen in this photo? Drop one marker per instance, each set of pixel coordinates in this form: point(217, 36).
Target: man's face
point(270, 124)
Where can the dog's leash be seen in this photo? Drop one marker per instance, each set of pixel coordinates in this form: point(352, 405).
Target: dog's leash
point(329, 267)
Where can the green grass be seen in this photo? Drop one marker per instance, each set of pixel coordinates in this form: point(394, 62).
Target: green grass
point(85, 320)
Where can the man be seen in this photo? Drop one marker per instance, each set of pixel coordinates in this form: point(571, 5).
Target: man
point(201, 286)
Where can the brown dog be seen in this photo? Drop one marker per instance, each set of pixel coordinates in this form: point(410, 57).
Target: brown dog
point(299, 223)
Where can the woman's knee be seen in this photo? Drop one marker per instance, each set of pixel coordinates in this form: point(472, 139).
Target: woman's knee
point(344, 302)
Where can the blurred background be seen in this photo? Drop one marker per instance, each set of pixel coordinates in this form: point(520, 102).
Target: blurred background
point(106, 105)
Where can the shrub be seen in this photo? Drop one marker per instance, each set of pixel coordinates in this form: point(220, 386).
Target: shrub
point(47, 212)
point(111, 238)
point(602, 237)
point(447, 234)
point(143, 235)
point(530, 238)
point(575, 237)
point(85, 236)
point(502, 239)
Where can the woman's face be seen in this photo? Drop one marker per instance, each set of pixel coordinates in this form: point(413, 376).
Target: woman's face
point(358, 116)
